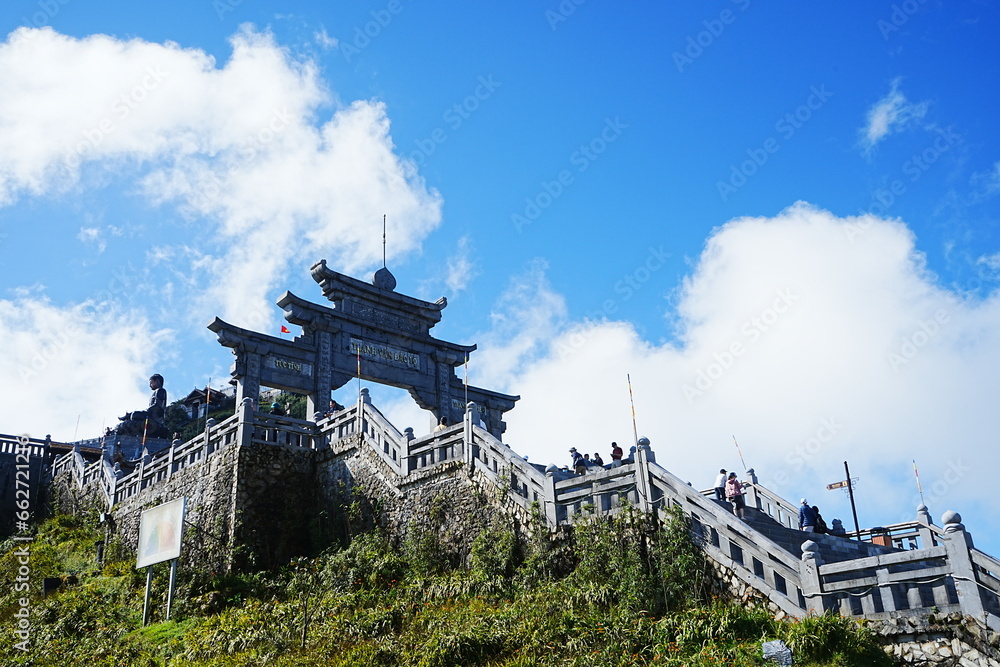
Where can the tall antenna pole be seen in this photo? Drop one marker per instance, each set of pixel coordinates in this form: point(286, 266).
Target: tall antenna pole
point(854, 509)
point(740, 453)
point(383, 240)
point(635, 431)
point(917, 475)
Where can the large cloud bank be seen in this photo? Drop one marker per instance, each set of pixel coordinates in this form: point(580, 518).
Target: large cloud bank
point(245, 148)
point(811, 338)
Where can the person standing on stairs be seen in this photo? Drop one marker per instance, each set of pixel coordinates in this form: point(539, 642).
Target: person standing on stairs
point(720, 486)
point(734, 492)
point(807, 517)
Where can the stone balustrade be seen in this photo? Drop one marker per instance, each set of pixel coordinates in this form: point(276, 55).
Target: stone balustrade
point(919, 567)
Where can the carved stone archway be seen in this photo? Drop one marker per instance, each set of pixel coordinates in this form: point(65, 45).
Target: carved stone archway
point(368, 325)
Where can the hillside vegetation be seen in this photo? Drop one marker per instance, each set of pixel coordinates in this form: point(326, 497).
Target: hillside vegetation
point(624, 594)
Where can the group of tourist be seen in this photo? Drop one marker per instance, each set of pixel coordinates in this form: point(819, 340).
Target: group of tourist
point(810, 520)
point(728, 487)
point(581, 462)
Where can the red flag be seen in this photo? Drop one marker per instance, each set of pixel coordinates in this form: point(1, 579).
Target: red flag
point(285, 329)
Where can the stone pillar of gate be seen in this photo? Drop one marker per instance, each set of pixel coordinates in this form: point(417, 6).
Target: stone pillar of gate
point(443, 373)
point(318, 400)
point(248, 377)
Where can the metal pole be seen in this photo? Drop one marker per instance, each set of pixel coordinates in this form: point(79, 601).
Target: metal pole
point(170, 589)
point(854, 509)
point(635, 431)
point(149, 588)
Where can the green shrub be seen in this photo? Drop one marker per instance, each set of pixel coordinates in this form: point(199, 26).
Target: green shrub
point(369, 605)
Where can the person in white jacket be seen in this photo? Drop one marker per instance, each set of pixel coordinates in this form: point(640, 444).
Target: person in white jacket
point(720, 485)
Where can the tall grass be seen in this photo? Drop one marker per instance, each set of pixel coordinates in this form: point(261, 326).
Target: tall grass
point(621, 592)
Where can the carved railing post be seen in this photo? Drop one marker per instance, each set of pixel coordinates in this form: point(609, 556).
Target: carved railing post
point(753, 498)
point(642, 460)
point(925, 534)
point(470, 410)
point(79, 466)
point(143, 462)
point(549, 508)
point(244, 427)
point(885, 589)
point(111, 482)
point(812, 586)
point(958, 543)
point(209, 427)
point(170, 456)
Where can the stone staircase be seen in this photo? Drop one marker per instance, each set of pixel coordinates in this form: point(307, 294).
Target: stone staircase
point(832, 548)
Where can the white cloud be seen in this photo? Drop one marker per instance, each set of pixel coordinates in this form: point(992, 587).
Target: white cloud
point(809, 347)
point(325, 40)
point(92, 235)
point(461, 269)
point(991, 262)
point(88, 362)
point(987, 183)
point(524, 322)
point(892, 113)
point(241, 146)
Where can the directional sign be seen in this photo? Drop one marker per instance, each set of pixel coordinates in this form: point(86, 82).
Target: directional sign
point(837, 485)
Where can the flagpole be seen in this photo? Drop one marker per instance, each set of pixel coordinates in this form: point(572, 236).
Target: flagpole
point(917, 475)
point(635, 431)
point(740, 453)
point(360, 423)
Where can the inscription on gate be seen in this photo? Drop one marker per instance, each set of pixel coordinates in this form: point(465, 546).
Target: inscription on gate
point(290, 366)
point(385, 353)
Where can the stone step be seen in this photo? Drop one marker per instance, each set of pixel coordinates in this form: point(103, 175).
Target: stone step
point(832, 548)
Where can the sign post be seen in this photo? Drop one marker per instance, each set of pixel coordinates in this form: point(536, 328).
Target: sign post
point(854, 509)
point(160, 531)
point(848, 484)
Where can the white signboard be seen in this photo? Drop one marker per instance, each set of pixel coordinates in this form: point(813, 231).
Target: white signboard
point(160, 530)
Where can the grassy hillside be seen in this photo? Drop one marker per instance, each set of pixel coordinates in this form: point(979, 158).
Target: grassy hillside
point(624, 595)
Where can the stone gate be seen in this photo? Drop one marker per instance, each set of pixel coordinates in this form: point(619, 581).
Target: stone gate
point(370, 331)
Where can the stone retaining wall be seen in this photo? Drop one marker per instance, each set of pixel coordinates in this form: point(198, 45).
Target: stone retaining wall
point(259, 505)
point(208, 487)
point(440, 502)
point(950, 640)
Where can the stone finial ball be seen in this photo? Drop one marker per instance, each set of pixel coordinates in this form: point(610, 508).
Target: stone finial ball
point(951, 517)
point(643, 442)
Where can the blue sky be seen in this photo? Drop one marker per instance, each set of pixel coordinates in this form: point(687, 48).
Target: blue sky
point(780, 220)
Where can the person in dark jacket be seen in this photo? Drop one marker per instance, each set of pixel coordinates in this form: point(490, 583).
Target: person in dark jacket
point(807, 517)
point(821, 526)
